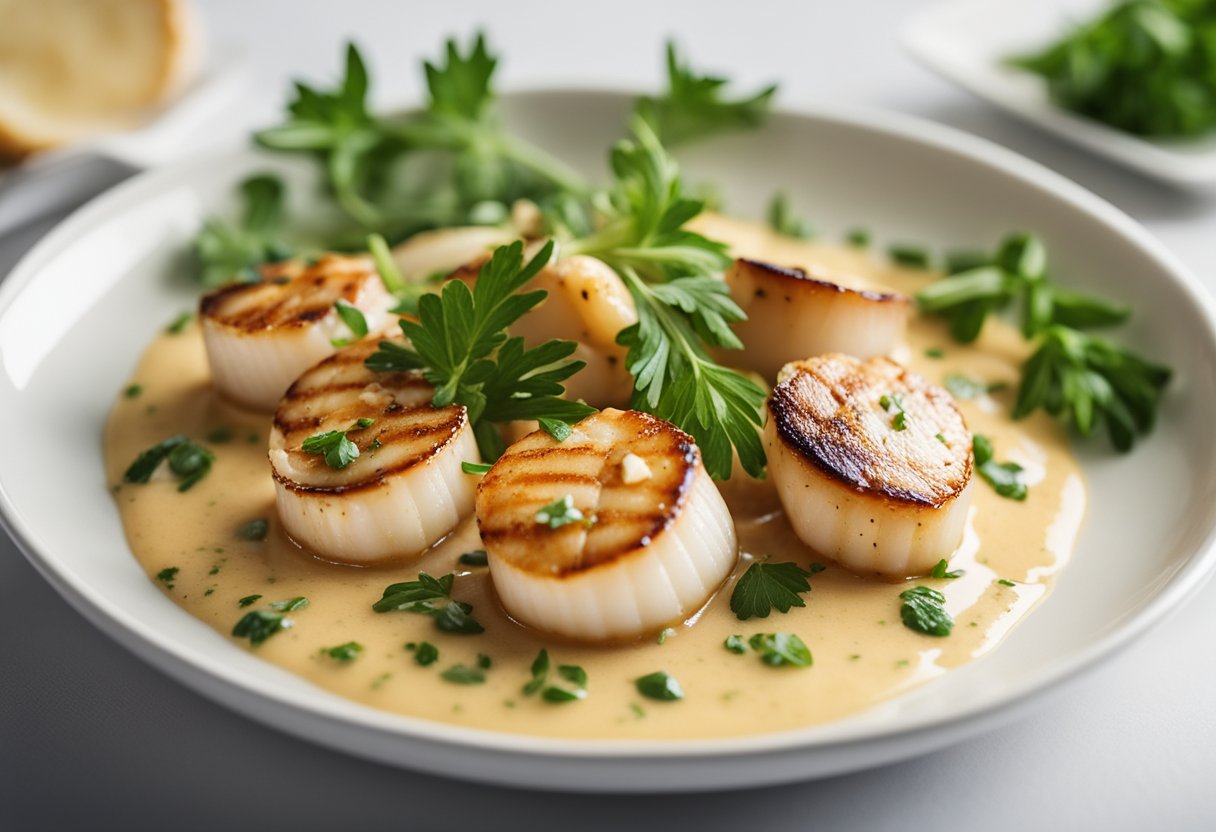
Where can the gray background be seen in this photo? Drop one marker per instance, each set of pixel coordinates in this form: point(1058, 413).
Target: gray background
point(90, 736)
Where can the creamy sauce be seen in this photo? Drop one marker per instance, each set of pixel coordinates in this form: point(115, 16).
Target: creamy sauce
point(862, 652)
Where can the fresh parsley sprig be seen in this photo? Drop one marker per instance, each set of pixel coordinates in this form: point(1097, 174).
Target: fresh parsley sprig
point(683, 310)
point(694, 105)
point(459, 342)
point(1079, 377)
point(1088, 381)
point(225, 252)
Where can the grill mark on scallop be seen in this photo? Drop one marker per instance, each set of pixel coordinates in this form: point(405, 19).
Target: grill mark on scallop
point(329, 397)
point(535, 472)
point(275, 300)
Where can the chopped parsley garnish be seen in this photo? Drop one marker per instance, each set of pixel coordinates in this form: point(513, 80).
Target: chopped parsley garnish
point(484, 661)
point(290, 604)
point(781, 220)
point(893, 403)
point(694, 106)
point(344, 653)
point(913, 257)
point(1006, 582)
point(353, 317)
point(133, 391)
point(923, 610)
point(765, 586)
point(188, 461)
point(167, 575)
point(777, 649)
point(259, 625)
point(476, 468)
point(562, 512)
point(220, 435)
point(178, 325)
point(575, 678)
point(942, 570)
point(459, 674)
point(425, 653)
point(225, 252)
point(338, 450)
point(1005, 477)
point(248, 600)
point(254, 531)
point(430, 596)
point(858, 237)
point(460, 343)
point(735, 644)
point(478, 557)
point(659, 686)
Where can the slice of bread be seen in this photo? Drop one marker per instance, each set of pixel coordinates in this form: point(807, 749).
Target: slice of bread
point(70, 69)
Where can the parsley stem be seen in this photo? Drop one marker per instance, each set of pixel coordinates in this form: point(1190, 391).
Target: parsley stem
point(533, 158)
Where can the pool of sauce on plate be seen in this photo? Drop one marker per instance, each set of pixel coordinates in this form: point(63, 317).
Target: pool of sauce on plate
point(862, 652)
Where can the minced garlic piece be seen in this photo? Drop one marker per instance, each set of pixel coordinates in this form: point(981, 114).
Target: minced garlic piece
point(634, 470)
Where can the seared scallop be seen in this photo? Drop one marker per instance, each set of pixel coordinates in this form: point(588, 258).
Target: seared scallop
point(871, 461)
point(399, 491)
point(615, 532)
point(261, 335)
point(587, 303)
point(429, 253)
point(792, 313)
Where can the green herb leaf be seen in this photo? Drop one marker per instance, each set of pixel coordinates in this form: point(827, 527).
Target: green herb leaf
point(133, 391)
point(893, 403)
point(777, 649)
point(659, 686)
point(942, 570)
point(259, 625)
point(765, 586)
point(178, 325)
point(189, 461)
point(430, 596)
point(248, 600)
point(459, 342)
point(683, 308)
point(290, 604)
point(913, 257)
point(254, 531)
point(781, 220)
point(168, 575)
point(477, 557)
point(460, 674)
point(1004, 477)
point(338, 450)
point(344, 653)
point(425, 653)
point(923, 610)
point(353, 317)
point(735, 644)
point(562, 512)
point(476, 468)
point(694, 105)
point(1143, 67)
point(540, 673)
point(225, 252)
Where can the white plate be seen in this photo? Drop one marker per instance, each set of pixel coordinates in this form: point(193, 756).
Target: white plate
point(77, 312)
point(967, 41)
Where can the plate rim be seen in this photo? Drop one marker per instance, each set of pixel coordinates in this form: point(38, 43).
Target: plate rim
point(919, 735)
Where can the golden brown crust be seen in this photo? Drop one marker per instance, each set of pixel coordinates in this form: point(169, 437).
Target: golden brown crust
point(289, 295)
point(828, 411)
point(538, 470)
point(769, 278)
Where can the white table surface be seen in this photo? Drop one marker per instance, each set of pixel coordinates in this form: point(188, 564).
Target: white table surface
point(91, 737)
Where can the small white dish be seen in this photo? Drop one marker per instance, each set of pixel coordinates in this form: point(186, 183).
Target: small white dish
point(78, 311)
point(968, 41)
